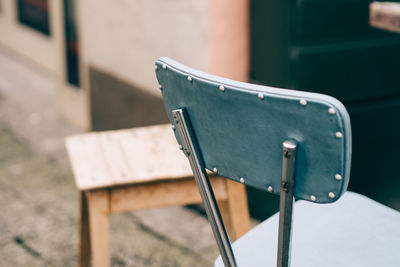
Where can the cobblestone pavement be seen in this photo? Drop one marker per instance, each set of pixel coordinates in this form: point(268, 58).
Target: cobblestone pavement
point(39, 200)
point(39, 218)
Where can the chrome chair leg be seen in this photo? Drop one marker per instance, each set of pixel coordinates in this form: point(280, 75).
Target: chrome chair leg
point(286, 202)
point(196, 162)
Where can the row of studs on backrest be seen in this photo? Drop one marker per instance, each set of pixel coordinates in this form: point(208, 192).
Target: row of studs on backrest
point(261, 96)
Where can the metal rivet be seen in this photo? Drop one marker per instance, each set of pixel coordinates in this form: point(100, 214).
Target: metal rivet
point(339, 135)
point(215, 170)
point(221, 88)
point(173, 127)
point(270, 189)
point(155, 67)
point(241, 180)
point(303, 102)
point(331, 195)
point(313, 198)
point(338, 177)
point(187, 152)
point(261, 96)
point(160, 86)
point(164, 67)
point(181, 147)
point(331, 111)
point(189, 79)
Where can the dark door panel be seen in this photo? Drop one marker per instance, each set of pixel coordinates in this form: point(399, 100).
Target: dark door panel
point(349, 73)
point(332, 21)
point(375, 162)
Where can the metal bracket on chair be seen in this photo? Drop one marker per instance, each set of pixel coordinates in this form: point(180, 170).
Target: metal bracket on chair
point(286, 202)
point(196, 162)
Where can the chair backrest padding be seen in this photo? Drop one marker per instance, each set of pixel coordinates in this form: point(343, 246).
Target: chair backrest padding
point(240, 128)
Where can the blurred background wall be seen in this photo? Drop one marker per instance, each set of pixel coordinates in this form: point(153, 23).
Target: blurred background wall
point(120, 42)
point(102, 54)
point(28, 28)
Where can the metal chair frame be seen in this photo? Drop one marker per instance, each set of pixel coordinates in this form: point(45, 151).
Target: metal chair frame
point(191, 150)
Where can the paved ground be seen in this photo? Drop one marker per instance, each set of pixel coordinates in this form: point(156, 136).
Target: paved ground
point(38, 197)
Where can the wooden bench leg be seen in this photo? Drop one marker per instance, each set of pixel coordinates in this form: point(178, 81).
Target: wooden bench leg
point(235, 209)
point(98, 203)
point(84, 234)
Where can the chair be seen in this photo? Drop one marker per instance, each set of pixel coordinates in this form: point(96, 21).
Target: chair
point(292, 143)
point(131, 169)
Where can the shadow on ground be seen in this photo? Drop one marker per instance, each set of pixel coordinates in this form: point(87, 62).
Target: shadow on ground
point(39, 218)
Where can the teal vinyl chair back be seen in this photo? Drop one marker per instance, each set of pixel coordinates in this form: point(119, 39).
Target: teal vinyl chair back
point(286, 142)
point(240, 129)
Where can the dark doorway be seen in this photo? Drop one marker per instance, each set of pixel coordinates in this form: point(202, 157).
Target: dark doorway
point(35, 14)
point(71, 43)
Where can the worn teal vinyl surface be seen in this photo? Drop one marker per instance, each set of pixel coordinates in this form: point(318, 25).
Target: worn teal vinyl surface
point(352, 232)
point(240, 130)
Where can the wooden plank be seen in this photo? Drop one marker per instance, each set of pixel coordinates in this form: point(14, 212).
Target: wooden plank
point(114, 157)
point(237, 208)
point(87, 160)
point(223, 206)
point(161, 194)
point(77, 155)
point(84, 233)
point(385, 15)
point(152, 154)
point(121, 157)
point(98, 203)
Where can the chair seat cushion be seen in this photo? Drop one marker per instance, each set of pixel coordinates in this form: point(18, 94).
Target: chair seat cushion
point(354, 231)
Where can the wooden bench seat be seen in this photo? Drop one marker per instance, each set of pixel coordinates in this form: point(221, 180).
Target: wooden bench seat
point(134, 169)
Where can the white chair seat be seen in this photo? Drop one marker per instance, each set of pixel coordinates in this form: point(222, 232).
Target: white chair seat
point(354, 231)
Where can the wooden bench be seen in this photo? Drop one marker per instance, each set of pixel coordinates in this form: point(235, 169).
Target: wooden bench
point(385, 15)
point(135, 169)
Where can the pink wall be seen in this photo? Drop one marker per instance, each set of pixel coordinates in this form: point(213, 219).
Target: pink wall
point(229, 39)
